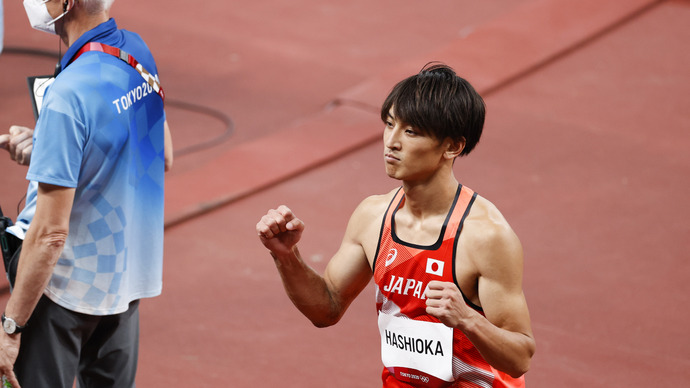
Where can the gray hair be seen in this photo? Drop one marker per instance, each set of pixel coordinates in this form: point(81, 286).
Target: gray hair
point(94, 6)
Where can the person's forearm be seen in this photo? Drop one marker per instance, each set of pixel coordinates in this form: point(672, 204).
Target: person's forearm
point(307, 289)
point(507, 351)
point(37, 260)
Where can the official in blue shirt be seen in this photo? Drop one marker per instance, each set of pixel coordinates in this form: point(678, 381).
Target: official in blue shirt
point(93, 222)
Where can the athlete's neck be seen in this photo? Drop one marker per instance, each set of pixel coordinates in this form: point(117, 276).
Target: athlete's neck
point(430, 198)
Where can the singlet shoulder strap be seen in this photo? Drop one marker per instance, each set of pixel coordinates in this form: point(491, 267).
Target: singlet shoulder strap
point(463, 202)
point(124, 56)
point(386, 222)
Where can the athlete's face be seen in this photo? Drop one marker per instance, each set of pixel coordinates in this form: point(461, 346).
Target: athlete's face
point(410, 154)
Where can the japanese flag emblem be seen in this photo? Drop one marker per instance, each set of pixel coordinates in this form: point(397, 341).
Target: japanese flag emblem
point(434, 267)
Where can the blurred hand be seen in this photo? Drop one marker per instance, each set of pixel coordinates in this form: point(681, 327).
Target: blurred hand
point(19, 143)
point(9, 349)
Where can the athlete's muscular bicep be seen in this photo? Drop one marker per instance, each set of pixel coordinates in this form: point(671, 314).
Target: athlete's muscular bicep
point(504, 337)
point(499, 285)
point(346, 276)
point(350, 269)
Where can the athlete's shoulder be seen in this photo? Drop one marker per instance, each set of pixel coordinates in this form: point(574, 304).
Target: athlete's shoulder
point(366, 220)
point(374, 206)
point(369, 213)
point(488, 235)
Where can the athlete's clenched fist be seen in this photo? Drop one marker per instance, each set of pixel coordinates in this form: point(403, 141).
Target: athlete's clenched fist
point(280, 230)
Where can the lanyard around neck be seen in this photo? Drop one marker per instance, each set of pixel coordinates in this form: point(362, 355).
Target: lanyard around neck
point(116, 52)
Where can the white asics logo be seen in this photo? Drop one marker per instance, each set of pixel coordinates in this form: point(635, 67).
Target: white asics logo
point(391, 256)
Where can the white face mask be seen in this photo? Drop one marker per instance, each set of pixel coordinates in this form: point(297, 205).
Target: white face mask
point(40, 19)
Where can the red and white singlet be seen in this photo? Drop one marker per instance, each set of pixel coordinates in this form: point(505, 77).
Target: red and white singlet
point(418, 350)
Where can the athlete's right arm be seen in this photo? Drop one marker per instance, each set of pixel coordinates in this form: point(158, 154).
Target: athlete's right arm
point(322, 299)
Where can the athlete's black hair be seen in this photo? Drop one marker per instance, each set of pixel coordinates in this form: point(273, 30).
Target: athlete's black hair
point(439, 103)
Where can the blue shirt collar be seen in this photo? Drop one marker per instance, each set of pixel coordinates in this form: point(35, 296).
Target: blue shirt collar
point(103, 33)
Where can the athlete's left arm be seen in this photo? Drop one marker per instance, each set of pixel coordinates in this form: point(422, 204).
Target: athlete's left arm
point(504, 335)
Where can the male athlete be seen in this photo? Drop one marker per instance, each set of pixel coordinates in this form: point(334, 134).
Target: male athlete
point(448, 267)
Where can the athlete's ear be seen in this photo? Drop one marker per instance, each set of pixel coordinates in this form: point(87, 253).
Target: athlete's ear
point(454, 148)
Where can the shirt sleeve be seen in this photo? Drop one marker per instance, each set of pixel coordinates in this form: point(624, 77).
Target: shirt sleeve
point(59, 139)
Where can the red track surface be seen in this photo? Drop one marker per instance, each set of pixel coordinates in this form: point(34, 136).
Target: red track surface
point(584, 152)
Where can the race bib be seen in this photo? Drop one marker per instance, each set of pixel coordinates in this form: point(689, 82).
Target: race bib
point(408, 346)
